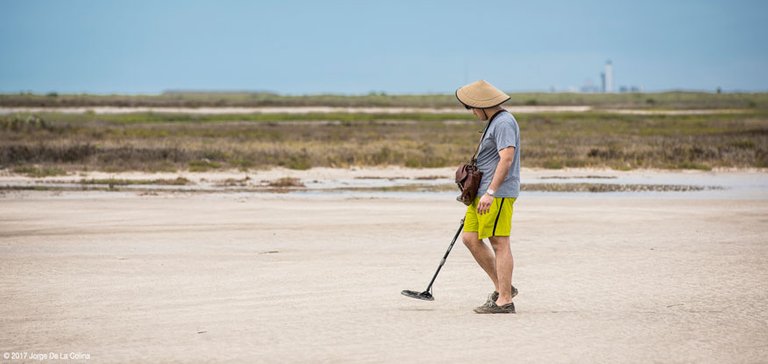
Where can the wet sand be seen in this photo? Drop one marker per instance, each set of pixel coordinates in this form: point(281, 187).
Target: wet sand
point(722, 184)
point(261, 277)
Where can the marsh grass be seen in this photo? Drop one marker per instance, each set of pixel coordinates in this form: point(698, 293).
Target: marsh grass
point(233, 182)
point(286, 182)
point(157, 142)
point(677, 100)
point(203, 165)
point(39, 172)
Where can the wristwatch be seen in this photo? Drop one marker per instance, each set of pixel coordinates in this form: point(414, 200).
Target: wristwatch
point(490, 192)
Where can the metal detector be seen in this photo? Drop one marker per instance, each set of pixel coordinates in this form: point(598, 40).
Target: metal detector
point(427, 294)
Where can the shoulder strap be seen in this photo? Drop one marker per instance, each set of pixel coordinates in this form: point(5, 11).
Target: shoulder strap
point(474, 157)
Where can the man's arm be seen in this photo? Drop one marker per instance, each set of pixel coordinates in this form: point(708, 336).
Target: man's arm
point(506, 157)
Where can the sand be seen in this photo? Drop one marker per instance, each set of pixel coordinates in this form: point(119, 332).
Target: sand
point(261, 277)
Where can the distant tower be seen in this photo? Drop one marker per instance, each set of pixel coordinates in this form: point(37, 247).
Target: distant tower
point(608, 77)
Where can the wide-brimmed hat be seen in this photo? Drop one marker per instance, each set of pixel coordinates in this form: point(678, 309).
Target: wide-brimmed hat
point(481, 95)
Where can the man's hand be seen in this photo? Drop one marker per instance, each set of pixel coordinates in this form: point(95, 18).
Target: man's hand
point(484, 205)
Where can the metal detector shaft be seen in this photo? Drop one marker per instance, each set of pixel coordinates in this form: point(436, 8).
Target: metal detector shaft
point(461, 226)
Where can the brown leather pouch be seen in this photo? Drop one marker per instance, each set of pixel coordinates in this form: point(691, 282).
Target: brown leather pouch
point(468, 179)
point(468, 176)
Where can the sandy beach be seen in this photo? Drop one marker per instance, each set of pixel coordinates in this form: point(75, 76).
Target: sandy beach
point(316, 277)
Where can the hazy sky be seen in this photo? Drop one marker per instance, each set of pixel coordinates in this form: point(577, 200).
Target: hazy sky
point(394, 46)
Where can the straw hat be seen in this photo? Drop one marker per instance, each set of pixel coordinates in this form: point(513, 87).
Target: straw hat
point(481, 95)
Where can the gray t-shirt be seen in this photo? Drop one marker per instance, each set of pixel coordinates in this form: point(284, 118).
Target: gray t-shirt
point(502, 133)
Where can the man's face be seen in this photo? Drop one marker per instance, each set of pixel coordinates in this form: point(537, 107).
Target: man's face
point(479, 114)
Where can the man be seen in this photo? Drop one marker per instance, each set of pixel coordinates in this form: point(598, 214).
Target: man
point(490, 215)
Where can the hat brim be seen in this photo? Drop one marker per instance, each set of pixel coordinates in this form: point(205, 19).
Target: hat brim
point(481, 104)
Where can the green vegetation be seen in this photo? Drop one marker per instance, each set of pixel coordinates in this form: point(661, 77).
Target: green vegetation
point(663, 100)
point(39, 172)
point(170, 142)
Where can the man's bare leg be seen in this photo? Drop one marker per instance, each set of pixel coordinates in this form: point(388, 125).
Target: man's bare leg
point(504, 265)
point(483, 255)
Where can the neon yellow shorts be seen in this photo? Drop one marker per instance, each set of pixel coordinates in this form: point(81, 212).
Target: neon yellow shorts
point(496, 222)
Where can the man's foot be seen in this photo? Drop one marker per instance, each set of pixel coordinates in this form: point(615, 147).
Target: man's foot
point(494, 308)
point(495, 296)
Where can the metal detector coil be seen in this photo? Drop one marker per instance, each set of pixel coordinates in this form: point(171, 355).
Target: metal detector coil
point(427, 294)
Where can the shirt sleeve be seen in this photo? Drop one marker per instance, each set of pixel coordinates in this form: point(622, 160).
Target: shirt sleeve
point(505, 136)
